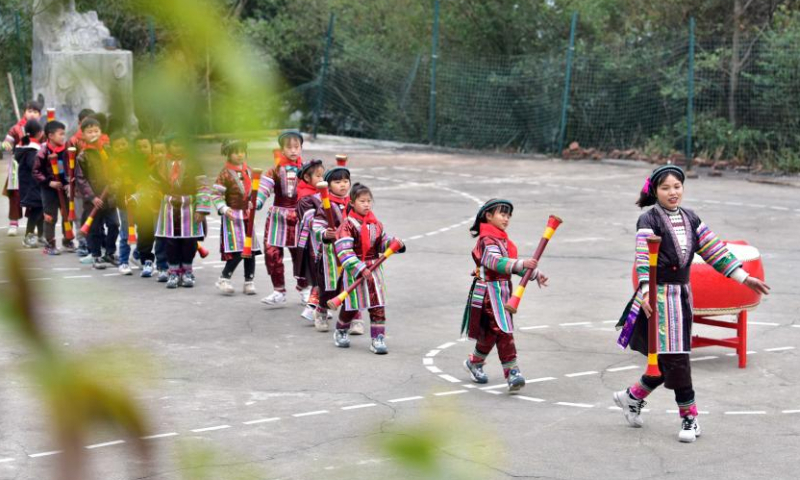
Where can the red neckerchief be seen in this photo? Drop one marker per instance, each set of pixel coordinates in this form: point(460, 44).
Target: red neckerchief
point(248, 182)
point(489, 230)
point(99, 144)
point(343, 201)
point(175, 171)
point(286, 161)
point(305, 189)
point(57, 149)
point(365, 220)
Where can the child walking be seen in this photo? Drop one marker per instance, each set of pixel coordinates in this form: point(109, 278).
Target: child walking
point(51, 183)
point(308, 200)
point(33, 111)
point(181, 215)
point(282, 227)
point(327, 272)
point(360, 241)
point(29, 190)
point(231, 198)
point(485, 318)
point(682, 235)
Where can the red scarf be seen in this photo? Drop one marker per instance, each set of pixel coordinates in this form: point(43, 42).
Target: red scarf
point(343, 201)
point(57, 149)
point(305, 189)
point(365, 220)
point(248, 182)
point(283, 160)
point(175, 171)
point(489, 230)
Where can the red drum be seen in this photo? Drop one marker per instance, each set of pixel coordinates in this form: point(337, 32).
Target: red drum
point(715, 294)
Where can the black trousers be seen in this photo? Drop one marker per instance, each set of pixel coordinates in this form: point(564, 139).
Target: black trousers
point(104, 231)
point(249, 266)
point(35, 217)
point(181, 252)
point(51, 209)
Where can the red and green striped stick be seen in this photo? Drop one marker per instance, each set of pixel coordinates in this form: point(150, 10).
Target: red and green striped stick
point(337, 301)
point(247, 251)
point(552, 224)
point(68, 234)
point(71, 151)
point(653, 243)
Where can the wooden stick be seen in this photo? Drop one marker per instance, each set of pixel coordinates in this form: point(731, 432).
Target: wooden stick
point(339, 299)
point(552, 224)
point(13, 95)
point(653, 243)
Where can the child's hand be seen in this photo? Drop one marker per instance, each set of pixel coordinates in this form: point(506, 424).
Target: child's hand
point(229, 214)
point(56, 185)
point(530, 264)
point(757, 285)
point(199, 217)
point(6, 146)
point(330, 234)
point(97, 202)
point(648, 310)
point(542, 280)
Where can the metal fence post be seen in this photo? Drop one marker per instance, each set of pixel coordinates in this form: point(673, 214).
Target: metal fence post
point(434, 56)
point(690, 97)
point(567, 80)
point(323, 74)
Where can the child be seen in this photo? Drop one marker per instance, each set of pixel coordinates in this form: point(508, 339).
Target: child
point(231, 199)
point(95, 172)
point(50, 184)
point(485, 318)
point(121, 156)
point(143, 201)
point(682, 235)
point(30, 193)
point(360, 241)
point(76, 142)
point(281, 229)
point(33, 111)
point(159, 172)
point(328, 278)
point(181, 215)
point(308, 200)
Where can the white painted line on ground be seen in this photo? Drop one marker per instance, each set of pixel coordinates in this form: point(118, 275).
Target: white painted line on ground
point(580, 374)
point(65, 269)
point(6, 460)
point(790, 411)
point(405, 399)
point(493, 387)
point(450, 378)
point(574, 324)
point(778, 349)
point(540, 379)
point(620, 369)
point(310, 414)
point(768, 324)
point(44, 454)
point(39, 279)
point(112, 274)
point(452, 392)
point(614, 408)
point(211, 429)
point(700, 359)
point(796, 326)
point(434, 369)
point(750, 412)
point(261, 420)
point(445, 345)
point(104, 444)
point(160, 435)
point(78, 276)
point(534, 327)
point(358, 407)
point(784, 209)
point(529, 399)
point(494, 392)
point(427, 361)
point(432, 353)
point(416, 237)
point(578, 405)
point(609, 321)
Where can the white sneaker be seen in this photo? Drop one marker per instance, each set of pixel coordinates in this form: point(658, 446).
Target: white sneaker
point(305, 294)
point(275, 299)
point(631, 408)
point(12, 230)
point(308, 313)
point(87, 260)
point(690, 429)
point(125, 269)
point(249, 288)
point(224, 285)
point(357, 327)
point(321, 322)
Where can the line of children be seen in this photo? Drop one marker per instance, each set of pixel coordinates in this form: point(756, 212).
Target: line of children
point(30, 192)
point(308, 201)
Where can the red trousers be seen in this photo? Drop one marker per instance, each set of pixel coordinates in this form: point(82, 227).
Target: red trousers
point(377, 319)
point(14, 207)
point(273, 257)
point(490, 336)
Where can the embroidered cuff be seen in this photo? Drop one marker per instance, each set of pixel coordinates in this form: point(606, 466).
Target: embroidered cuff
point(739, 275)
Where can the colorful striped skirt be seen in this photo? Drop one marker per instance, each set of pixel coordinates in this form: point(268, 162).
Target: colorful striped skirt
point(176, 218)
point(282, 227)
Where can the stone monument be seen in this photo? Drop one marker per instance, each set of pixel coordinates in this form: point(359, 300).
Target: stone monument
point(76, 65)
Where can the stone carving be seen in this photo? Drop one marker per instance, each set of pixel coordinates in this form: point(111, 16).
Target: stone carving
point(76, 65)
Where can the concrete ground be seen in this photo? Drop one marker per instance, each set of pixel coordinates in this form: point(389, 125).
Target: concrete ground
point(239, 391)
